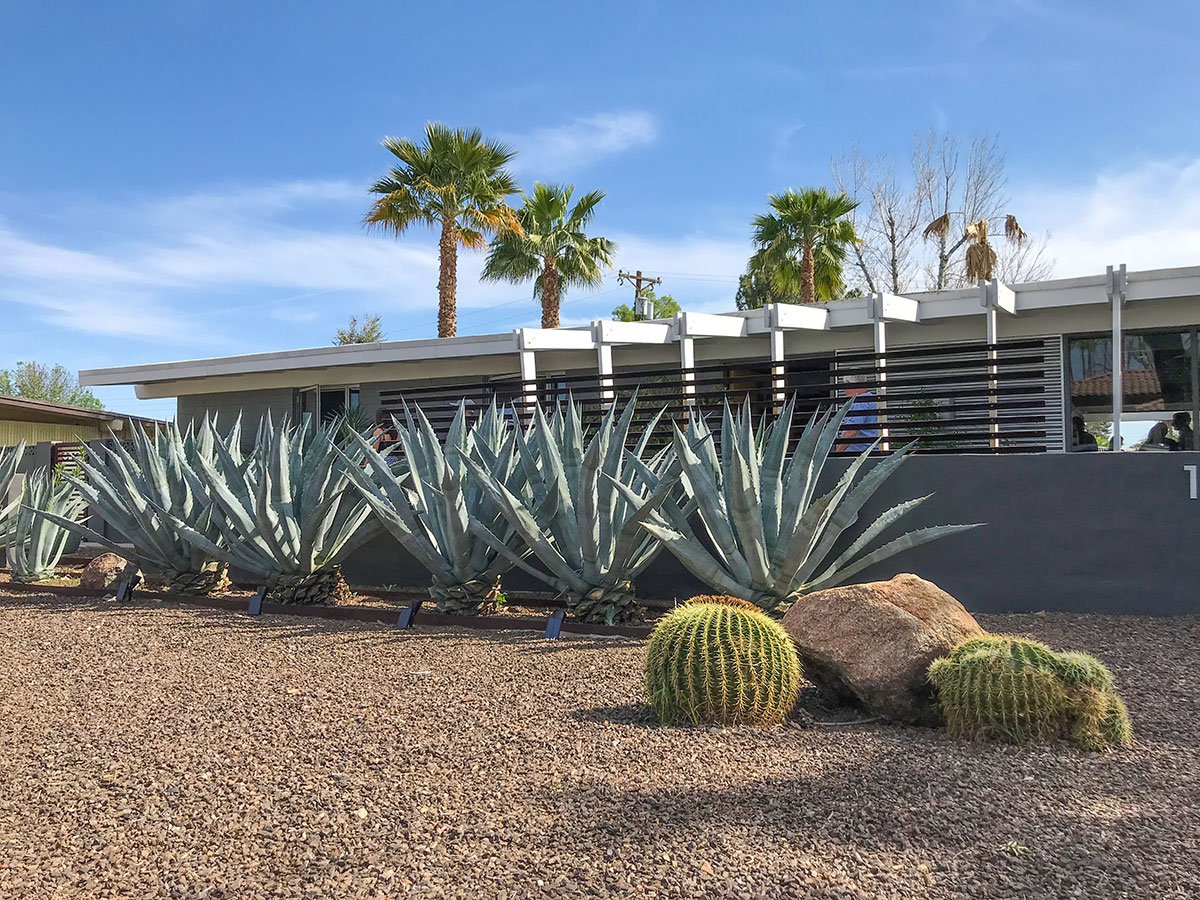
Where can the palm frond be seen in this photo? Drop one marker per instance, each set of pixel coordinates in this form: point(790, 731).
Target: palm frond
point(938, 228)
point(1013, 231)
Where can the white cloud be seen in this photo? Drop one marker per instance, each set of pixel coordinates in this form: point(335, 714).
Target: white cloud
point(1147, 216)
point(561, 149)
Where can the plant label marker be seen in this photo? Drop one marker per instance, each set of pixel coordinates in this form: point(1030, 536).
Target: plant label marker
point(405, 619)
point(554, 624)
point(256, 601)
point(125, 588)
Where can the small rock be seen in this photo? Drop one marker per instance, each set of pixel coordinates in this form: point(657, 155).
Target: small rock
point(106, 570)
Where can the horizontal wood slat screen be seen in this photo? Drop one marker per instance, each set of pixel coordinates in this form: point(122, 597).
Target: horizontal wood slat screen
point(977, 398)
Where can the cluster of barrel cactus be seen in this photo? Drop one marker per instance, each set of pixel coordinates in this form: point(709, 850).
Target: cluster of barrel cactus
point(1018, 690)
point(721, 660)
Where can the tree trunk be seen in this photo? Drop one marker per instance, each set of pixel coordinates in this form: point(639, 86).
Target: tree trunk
point(448, 280)
point(551, 298)
point(808, 275)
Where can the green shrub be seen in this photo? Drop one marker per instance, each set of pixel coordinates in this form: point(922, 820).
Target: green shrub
point(1018, 690)
point(718, 663)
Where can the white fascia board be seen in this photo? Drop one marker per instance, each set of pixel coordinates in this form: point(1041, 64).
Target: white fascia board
point(1182, 283)
point(692, 324)
point(849, 313)
point(554, 339)
point(951, 304)
point(893, 308)
point(608, 332)
point(313, 358)
point(791, 316)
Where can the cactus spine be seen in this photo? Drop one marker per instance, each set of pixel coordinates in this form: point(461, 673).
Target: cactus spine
point(1019, 690)
point(722, 664)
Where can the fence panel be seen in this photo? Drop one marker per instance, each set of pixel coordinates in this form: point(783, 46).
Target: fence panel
point(977, 398)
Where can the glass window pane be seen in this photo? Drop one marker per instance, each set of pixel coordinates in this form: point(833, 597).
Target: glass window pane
point(1156, 378)
point(333, 403)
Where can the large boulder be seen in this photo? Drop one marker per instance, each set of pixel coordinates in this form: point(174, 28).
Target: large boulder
point(874, 642)
point(106, 570)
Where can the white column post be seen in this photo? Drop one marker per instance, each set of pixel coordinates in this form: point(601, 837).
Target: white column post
point(687, 365)
point(990, 294)
point(604, 365)
point(528, 380)
point(778, 372)
point(880, 328)
point(1116, 282)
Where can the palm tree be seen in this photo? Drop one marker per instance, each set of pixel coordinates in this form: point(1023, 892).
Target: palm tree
point(455, 181)
point(802, 243)
point(981, 256)
point(551, 247)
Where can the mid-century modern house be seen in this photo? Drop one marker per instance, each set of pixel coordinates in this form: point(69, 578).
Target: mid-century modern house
point(996, 383)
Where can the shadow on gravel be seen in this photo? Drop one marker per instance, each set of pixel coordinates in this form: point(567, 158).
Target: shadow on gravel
point(626, 714)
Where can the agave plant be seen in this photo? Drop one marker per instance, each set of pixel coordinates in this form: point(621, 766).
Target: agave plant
point(581, 518)
point(10, 458)
point(158, 472)
point(32, 543)
point(770, 536)
point(288, 515)
point(428, 504)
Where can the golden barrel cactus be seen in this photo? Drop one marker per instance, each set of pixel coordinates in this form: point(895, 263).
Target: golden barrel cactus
point(1019, 690)
point(715, 662)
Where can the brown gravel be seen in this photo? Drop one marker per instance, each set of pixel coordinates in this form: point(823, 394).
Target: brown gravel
point(153, 751)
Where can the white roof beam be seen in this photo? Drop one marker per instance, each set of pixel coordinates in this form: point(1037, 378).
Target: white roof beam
point(893, 308)
point(610, 332)
point(692, 324)
point(554, 339)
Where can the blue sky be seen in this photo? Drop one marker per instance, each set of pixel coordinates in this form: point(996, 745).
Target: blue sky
point(186, 178)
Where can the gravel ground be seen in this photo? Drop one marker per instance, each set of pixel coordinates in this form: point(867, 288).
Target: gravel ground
point(152, 751)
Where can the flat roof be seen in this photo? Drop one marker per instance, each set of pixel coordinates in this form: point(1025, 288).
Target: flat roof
point(846, 313)
point(22, 409)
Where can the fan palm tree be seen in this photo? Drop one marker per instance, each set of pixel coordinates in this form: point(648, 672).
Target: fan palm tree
point(453, 180)
point(551, 247)
point(981, 256)
point(802, 243)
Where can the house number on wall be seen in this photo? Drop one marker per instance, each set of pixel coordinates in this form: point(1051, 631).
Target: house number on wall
point(1191, 470)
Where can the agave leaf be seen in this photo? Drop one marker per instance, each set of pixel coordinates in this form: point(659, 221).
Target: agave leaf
point(904, 542)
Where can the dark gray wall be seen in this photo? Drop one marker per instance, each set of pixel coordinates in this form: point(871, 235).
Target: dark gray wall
point(252, 405)
point(1086, 532)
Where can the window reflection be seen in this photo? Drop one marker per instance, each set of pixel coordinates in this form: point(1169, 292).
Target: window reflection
point(1158, 402)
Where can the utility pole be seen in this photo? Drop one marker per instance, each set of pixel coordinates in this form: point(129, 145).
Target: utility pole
point(643, 307)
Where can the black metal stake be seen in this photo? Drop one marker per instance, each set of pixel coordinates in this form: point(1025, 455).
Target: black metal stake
point(405, 619)
point(554, 624)
point(125, 588)
point(256, 601)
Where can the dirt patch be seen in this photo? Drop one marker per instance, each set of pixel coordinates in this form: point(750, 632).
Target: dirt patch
point(150, 750)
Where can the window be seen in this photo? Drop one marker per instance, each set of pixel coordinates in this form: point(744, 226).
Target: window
point(325, 403)
point(1158, 395)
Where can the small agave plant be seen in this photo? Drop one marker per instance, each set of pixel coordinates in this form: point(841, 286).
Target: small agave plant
point(429, 503)
point(10, 458)
point(32, 543)
point(130, 486)
point(288, 515)
point(770, 535)
point(581, 519)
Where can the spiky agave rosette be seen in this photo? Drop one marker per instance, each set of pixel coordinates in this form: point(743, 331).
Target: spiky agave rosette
point(143, 488)
point(588, 493)
point(427, 502)
point(288, 516)
point(770, 536)
point(34, 544)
